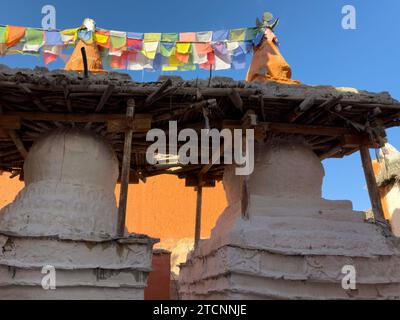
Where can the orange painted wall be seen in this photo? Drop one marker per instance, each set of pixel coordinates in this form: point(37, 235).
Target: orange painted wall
point(162, 207)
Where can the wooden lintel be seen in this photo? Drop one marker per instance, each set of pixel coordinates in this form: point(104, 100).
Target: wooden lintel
point(10, 122)
point(354, 141)
point(294, 128)
point(141, 121)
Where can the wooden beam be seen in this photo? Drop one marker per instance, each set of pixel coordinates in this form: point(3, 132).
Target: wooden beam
point(25, 89)
point(10, 122)
point(158, 94)
point(141, 121)
point(197, 231)
point(373, 190)
point(104, 98)
point(292, 128)
point(354, 141)
point(125, 170)
point(306, 105)
point(331, 152)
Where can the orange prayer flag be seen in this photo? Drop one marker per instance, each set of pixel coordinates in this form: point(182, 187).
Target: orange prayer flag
point(49, 57)
point(14, 35)
point(203, 48)
point(182, 57)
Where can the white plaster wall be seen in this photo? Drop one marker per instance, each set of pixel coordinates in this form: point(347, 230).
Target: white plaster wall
point(393, 202)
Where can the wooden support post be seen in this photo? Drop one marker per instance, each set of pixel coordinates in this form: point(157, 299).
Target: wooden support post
point(197, 232)
point(371, 184)
point(125, 170)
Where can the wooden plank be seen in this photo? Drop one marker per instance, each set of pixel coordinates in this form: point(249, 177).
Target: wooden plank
point(158, 94)
point(331, 152)
point(10, 122)
point(293, 128)
point(25, 89)
point(197, 232)
point(125, 171)
point(141, 121)
point(307, 129)
point(373, 190)
point(306, 105)
point(104, 98)
point(353, 141)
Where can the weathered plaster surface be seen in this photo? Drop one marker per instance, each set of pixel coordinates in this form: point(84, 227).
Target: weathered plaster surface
point(293, 244)
point(65, 217)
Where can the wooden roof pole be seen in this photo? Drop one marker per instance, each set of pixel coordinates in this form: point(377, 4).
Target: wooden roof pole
point(372, 185)
point(125, 170)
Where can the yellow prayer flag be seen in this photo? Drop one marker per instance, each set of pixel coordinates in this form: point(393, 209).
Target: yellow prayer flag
point(70, 32)
point(174, 62)
point(150, 37)
point(101, 38)
point(183, 47)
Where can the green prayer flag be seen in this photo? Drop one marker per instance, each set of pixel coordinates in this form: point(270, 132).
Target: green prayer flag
point(167, 50)
point(3, 34)
point(251, 34)
point(117, 42)
point(170, 37)
point(33, 36)
point(238, 34)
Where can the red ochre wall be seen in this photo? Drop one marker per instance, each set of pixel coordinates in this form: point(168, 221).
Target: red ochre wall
point(162, 207)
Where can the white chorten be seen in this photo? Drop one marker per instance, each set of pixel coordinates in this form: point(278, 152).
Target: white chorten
point(66, 217)
point(285, 241)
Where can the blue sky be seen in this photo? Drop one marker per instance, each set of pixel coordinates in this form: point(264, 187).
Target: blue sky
point(311, 36)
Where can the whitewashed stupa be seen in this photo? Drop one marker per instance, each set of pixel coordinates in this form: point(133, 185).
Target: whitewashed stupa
point(287, 242)
point(66, 218)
